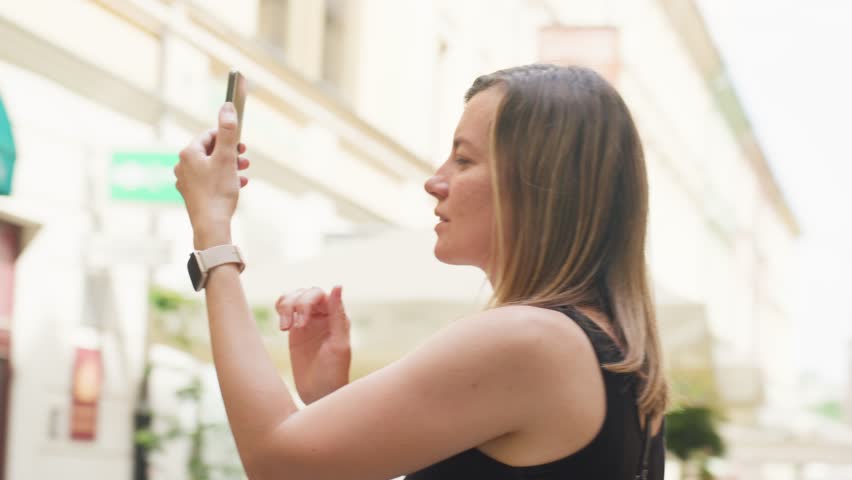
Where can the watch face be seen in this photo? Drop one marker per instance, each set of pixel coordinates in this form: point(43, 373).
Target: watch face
point(194, 272)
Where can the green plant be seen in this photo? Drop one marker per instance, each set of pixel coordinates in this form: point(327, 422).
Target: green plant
point(165, 300)
point(693, 429)
point(263, 318)
point(692, 436)
point(180, 322)
point(830, 409)
point(197, 466)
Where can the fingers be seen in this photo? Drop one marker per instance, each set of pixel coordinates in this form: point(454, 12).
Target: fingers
point(297, 308)
point(205, 143)
point(284, 307)
point(201, 145)
point(242, 164)
point(334, 297)
point(311, 301)
point(196, 150)
point(209, 142)
point(226, 136)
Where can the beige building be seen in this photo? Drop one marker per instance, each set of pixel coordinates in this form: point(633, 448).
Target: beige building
point(353, 103)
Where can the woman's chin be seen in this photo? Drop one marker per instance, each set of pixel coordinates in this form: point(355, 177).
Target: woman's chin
point(445, 255)
point(439, 253)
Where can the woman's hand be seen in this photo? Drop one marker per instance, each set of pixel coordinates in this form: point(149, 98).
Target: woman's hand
point(208, 181)
point(319, 340)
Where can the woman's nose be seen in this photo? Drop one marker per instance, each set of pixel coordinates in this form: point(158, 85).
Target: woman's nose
point(437, 187)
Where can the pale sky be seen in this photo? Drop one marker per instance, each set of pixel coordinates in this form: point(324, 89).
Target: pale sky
point(791, 63)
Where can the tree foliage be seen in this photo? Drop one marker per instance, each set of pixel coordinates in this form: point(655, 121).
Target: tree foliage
point(692, 430)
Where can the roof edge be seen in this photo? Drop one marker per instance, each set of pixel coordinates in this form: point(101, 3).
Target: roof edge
point(691, 27)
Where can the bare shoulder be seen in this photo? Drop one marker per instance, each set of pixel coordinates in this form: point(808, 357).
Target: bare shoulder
point(561, 376)
point(538, 347)
point(485, 377)
point(530, 328)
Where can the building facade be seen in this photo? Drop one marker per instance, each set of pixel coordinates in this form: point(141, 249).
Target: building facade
point(352, 105)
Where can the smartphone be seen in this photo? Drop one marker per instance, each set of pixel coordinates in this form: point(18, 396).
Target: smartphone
point(236, 94)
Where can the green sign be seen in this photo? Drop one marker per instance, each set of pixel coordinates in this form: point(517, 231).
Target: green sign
point(144, 177)
point(7, 153)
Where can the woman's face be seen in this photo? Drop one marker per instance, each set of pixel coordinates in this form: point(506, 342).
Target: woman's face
point(462, 186)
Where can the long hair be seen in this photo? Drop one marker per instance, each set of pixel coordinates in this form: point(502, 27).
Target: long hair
point(571, 207)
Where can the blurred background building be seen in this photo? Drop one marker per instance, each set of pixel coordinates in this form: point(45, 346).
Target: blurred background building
point(352, 106)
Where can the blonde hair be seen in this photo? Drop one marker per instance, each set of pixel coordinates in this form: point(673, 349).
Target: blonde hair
point(571, 206)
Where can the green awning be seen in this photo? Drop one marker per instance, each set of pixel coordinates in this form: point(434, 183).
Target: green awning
point(7, 152)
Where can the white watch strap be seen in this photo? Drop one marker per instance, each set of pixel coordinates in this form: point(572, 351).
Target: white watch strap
point(220, 255)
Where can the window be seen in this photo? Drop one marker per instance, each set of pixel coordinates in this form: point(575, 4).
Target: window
point(333, 42)
point(272, 23)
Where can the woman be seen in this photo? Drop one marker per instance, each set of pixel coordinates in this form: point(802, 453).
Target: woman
point(545, 190)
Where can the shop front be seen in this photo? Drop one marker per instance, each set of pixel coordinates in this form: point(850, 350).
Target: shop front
point(15, 233)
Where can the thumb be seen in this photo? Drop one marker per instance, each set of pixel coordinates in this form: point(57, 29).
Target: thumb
point(226, 136)
point(334, 298)
point(339, 323)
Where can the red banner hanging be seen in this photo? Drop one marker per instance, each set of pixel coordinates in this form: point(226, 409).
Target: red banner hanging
point(85, 393)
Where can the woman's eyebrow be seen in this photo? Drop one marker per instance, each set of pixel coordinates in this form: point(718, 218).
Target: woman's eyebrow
point(461, 140)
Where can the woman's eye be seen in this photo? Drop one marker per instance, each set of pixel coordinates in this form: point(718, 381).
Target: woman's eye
point(462, 161)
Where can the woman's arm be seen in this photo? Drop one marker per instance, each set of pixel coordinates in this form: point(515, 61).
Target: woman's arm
point(254, 394)
point(208, 180)
point(477, 379)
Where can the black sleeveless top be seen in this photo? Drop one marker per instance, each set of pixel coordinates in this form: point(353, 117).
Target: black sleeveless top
point(614, 454)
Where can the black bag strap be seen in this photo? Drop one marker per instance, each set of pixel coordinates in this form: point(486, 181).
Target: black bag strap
point(646, 452)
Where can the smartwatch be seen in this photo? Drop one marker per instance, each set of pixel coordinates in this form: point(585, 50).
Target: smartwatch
point(201, 262)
